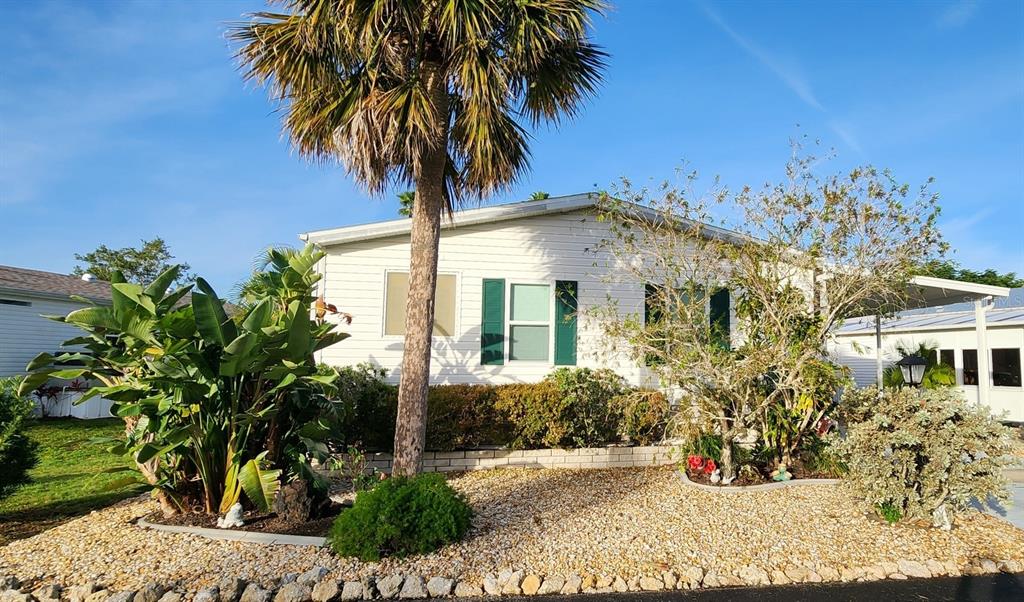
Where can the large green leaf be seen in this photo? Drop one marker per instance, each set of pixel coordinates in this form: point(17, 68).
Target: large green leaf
point(128, 299)
point(298, 345)
point(259, 315)
point(260, 485)
point(40, 361)
point(158, 287)
point(102, 317)
point(33, 381)
point(238, 354)
point(211, 319)
point(169, 301)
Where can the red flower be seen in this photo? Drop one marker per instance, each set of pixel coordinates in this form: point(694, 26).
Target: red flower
point(695, 463)
point(709, 466)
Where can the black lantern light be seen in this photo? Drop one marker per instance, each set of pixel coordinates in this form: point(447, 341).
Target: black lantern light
point(912, 368)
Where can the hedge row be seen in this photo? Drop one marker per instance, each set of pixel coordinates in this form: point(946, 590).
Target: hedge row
point(572, 407)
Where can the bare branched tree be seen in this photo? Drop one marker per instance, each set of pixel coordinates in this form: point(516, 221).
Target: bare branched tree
point(743, 288)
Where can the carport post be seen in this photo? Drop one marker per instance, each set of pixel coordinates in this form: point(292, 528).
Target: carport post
point(984, 377)
point(878, 351)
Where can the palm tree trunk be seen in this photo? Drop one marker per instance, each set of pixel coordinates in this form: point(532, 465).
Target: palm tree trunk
point(429, 203)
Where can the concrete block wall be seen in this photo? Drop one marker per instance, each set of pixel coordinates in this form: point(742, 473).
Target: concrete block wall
point(482, 459)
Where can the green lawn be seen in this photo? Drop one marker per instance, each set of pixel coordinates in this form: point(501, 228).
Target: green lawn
point(68, 481)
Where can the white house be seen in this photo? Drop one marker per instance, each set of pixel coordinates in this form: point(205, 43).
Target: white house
point(25, 297)
point(953, 329)
point(511, 277)
point(501, 315)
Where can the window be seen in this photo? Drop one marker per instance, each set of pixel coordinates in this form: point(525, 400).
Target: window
point(970, 366)
point(397, 292)
point(529, 324)
point(1006, 367)
point(945, 356)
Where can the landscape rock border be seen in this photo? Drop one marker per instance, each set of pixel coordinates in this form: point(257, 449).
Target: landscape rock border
point(316, 584)
point(761, 487)
point(237, 535)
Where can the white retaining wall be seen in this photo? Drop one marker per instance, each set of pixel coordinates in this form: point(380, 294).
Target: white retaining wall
point(588, 457)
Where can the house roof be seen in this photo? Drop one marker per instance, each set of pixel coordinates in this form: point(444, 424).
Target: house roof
point(51, 285)
point(1006, 311)
point(482, 215)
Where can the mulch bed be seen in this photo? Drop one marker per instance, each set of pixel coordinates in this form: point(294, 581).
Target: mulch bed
point(759, 478)
point(256, 521)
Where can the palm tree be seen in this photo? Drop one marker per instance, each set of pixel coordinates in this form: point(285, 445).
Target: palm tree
point(405, 201)
point(427, 93)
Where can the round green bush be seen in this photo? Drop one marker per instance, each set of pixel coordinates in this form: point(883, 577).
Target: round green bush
point(399, 517)
point(18, 453)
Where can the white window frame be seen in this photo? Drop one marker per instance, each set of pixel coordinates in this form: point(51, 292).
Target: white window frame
point(509, 323)
point(384, 305)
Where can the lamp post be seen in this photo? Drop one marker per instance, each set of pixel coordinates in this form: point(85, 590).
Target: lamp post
point(912, 368)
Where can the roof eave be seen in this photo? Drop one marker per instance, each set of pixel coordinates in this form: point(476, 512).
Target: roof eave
point(51, 296)
point(470, 217)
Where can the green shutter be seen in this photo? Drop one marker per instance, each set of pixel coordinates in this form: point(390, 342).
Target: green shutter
point(652, 316)
point(720, 317)
point(492, 327)
point(566, 304)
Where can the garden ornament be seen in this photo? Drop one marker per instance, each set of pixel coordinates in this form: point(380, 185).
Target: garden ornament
point(781, 474)
point(941, 519)
point(233, 518)
point(716, 476)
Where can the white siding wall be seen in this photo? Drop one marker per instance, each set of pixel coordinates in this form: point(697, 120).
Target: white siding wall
point(24, 333)
point(1001, 399)
point(544, 248)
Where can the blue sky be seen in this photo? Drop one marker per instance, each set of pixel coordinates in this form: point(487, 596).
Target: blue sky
point(124, 121)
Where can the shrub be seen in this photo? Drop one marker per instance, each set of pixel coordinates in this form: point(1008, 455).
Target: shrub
point(642, 416)
point(927, 454)
point(572, 407)
point(367, 408)
point(534, 410)
point(465, 416)
point(401, 516)
point(18, 453)
point(821, 455)
point(705, 445)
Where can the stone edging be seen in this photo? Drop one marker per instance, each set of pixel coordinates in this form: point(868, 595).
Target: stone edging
point(762, 487)
point(613, 456)
point(236, 535)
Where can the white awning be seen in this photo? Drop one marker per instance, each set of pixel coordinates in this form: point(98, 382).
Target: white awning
point(928, 291)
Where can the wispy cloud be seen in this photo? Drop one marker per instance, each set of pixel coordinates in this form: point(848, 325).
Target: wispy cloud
point(956, 14)
point(789, 74)
point(845, 133)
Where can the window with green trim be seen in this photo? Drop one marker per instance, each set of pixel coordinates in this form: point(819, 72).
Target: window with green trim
point(529, 322)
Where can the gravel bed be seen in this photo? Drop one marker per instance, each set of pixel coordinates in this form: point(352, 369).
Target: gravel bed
point(602, 523)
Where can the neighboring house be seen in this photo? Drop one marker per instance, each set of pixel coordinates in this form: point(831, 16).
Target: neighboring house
point(951, 328)
point(514, 284)
point(25, 297)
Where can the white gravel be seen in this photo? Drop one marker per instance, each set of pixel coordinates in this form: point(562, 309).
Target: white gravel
point(595, 523)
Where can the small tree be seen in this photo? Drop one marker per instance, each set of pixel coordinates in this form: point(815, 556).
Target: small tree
point(18, 453)
point(136, 264)
point(795, 259)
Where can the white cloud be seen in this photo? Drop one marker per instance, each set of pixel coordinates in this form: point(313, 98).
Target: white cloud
point(956, 14)
point(789, 74)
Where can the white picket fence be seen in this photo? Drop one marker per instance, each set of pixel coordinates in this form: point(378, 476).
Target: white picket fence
point(63, 404)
